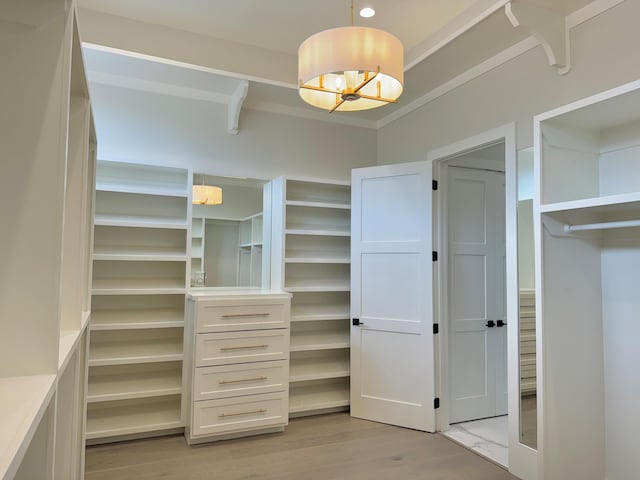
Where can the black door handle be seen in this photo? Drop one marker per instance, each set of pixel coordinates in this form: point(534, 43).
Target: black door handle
point(491, 324)
point(356, 322)
point(501, 323)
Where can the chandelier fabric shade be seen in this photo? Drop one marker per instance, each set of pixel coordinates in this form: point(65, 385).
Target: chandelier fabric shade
point(206, 195)
point(351, 68)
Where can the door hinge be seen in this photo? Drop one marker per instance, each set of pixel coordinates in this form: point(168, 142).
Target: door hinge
point(434, 256)
point(434, 184)
point(436, 328)
point(436, 402)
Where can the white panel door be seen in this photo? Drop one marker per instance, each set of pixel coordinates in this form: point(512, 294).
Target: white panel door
point(477, 301)
point(392, 354)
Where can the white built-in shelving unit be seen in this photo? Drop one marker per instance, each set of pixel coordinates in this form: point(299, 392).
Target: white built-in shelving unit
point(310, 257)
point(587, 219)
point(250, 251)
point(197, 245)
point(141, 270)
point(47, 146)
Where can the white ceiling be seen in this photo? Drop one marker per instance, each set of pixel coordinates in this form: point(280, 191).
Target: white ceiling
point(281, 25)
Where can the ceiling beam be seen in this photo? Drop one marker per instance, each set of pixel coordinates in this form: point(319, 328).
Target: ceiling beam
point(210, 54)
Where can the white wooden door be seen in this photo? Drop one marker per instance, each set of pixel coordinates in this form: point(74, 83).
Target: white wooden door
point(477, 301)
point(392, 349)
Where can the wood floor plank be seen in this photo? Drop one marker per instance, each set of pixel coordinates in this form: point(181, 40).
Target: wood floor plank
point(325, 447)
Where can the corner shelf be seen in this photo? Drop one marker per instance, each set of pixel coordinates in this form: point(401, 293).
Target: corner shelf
point(141, 261)
point(318, 366)
point(121, 348)
point(311, 239)
point(318, 396)
point(124, 383)
point(127, 417)
point(136, 319)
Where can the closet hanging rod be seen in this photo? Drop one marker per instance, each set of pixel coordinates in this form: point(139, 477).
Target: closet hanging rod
point(601, 226)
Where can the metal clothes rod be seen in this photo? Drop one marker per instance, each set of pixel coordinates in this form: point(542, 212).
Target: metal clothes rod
point(601, 226)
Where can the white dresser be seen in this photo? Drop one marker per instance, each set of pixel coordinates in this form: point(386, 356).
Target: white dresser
point(236, 365)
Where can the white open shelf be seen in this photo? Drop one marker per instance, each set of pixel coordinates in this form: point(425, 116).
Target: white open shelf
point(317, 277)
point(136, 319)
point(130, 253)
point(147, 179)
point(318, 365)
point(126, 417)
point(24, 401)
point(304, 220)
point(149, 190)
point(318, 192)
point(112, 383)
point(123, 220)
point(319, 395)
point(300, 203)
point(315, 257)
point(322, 230)
point(137, 286)
point(312, 312)
point(131, 346)
point(303, 340)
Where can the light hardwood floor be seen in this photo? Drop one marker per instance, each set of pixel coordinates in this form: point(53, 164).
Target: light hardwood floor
point(324, 447)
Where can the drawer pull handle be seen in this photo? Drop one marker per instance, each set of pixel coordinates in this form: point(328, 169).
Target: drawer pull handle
point(256, 379)
point(223, 415)
point(243, 347)
point(245, 315)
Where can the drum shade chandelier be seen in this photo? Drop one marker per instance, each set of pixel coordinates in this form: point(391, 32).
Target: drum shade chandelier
point(350, 68)
point(206, 194)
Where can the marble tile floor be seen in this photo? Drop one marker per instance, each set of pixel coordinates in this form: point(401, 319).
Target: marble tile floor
point(488, 437)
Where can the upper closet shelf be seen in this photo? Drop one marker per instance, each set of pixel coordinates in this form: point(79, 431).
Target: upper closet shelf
point(323, 230)
point(137, 286)
point(139, 221)
point(604, 205)
point(143, 253)
point(312, 312)
point(23, 401)
point(136, 319)
point(149, 190)
point(300, 203)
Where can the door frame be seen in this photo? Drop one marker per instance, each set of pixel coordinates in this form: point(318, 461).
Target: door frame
point(522, 459)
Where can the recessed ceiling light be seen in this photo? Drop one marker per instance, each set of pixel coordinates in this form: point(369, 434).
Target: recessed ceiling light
point(367, 12)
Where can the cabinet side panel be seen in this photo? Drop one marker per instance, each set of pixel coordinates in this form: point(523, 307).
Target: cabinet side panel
point(34, 95)
point(621, 304)
point(572, 443)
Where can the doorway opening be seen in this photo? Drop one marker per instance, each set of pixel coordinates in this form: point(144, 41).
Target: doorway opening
point(472, 214)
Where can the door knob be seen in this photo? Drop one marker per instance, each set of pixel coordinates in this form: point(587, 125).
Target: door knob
point(491, 324)
point(501, 323)
point(356, 322)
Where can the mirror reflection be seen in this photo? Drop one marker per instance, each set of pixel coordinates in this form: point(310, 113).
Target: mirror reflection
point(227, 235)
point(527, 333)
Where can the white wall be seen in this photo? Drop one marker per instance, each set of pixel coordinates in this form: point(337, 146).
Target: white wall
point(151, 128)
point(604, 55)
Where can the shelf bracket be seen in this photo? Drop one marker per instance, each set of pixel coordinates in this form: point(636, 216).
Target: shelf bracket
point(548, 27)
point(235, 105)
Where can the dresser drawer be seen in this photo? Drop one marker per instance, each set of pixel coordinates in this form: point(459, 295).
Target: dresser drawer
point(239, 413)
point(241, 347)
point(212, 317)
point(244, 379)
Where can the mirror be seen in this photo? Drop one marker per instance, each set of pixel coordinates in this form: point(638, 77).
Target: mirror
point(526, 285)
point(227, 247)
